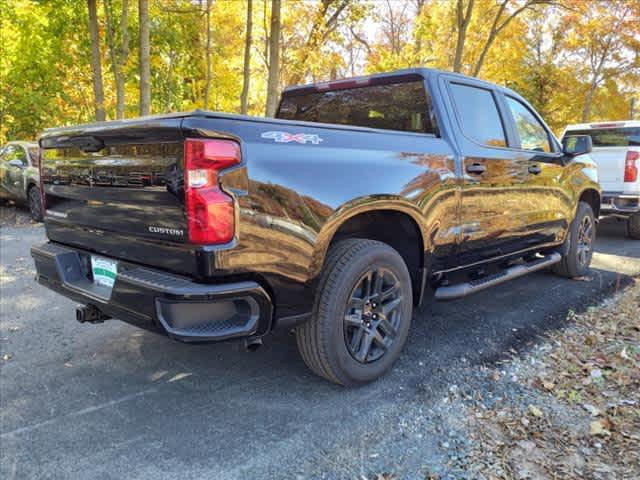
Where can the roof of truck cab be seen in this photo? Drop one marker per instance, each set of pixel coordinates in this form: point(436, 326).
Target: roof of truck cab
point(23, 143)
point(604, 124)
point(422, 72)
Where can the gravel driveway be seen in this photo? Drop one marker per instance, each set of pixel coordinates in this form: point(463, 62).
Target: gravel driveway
point(111, 401)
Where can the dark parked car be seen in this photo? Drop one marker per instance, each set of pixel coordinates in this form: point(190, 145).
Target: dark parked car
point(364, 198)
point(19, 178)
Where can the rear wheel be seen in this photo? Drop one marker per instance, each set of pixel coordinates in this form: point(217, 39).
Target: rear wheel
point(633, 226)
point(35, 203)
point(579, 249)
point(362, 313)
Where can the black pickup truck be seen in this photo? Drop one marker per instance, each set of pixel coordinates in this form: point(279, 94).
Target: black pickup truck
point(363, 198)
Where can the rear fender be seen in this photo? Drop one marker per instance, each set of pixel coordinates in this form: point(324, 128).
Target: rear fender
point(357, 207)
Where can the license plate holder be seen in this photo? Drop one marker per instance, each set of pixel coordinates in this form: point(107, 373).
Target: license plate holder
point(104, 272)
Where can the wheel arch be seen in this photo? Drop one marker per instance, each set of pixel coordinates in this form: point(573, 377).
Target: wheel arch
point(30, 184)
point(371, 221)
point(592, 197)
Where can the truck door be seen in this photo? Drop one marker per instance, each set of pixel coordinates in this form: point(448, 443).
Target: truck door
point(494, 211)
point(550, 204)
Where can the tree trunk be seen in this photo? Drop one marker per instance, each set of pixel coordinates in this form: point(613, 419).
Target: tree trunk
point(118, 54)
point(274, 60)
point(145, 53)
point(588, 101)
point(207, 84)
point(246, 73)
point(417, 48)
point(462, 22)
point(98, 90)
point(124, 52)
point(497, 27)
point(320, 31)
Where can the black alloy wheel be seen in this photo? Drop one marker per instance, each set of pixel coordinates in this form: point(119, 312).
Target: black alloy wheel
point(586, 235)
point(361, 315)
point(372, 316)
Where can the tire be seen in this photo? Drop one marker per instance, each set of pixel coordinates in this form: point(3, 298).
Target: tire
point(35, 203)
point(354, 338)
point(633, 226)
point(578, 248)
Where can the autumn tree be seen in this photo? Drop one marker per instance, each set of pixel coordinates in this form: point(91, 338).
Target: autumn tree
point(274, 60)
point(604, 43)
point(96, 63)
point(145, 58)
point(207, 53)
point(63, 65)
point(117, 34)
point(463, 19)
point(246, 70)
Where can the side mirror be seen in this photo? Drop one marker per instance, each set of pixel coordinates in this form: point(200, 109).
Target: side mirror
point(16, 163)
point(575, 145)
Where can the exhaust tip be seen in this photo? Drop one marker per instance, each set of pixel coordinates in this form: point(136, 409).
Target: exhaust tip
point(253, 344)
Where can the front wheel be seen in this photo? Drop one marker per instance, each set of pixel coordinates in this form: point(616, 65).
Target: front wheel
point(578, 249)
point(361, 315)
point(35, 204)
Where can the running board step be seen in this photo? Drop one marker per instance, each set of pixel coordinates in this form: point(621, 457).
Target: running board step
point(463, 289)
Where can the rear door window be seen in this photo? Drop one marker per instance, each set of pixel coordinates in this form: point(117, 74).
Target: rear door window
point(611, 137)
point(479, 114)
point(402, 106)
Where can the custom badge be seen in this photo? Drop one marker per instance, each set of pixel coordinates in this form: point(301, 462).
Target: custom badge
point(284, 137)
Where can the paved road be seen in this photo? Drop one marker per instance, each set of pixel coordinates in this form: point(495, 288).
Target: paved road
point(112, 402)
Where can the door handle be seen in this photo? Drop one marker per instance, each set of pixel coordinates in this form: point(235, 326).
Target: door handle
point(535, 169)
point(476, 169)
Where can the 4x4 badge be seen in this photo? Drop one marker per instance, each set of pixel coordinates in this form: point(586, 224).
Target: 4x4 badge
point(284, 137)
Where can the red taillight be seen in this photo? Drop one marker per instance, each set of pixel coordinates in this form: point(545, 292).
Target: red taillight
point(630, 167)
point(210, 211)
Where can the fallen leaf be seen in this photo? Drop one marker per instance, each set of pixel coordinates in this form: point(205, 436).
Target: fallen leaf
point(535, 411)
point(593, 411)
point(597, 428)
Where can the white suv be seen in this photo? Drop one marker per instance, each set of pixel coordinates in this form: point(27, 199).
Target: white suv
point(616, 150)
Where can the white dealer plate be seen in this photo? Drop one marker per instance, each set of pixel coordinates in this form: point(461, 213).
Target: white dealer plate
point(104, 271)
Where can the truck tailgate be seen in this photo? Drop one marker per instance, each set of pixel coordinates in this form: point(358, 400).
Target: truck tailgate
point(117, 189)
point(610, 161)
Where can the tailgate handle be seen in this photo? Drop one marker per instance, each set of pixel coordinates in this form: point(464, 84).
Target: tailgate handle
point(476, 168)
point(535, 169)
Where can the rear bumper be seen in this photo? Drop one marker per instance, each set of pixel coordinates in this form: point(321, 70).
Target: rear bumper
point(620, 203)
point(175, 305)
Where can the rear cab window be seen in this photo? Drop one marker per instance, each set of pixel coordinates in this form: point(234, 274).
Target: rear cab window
point(610, 137)
point(401, 105)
